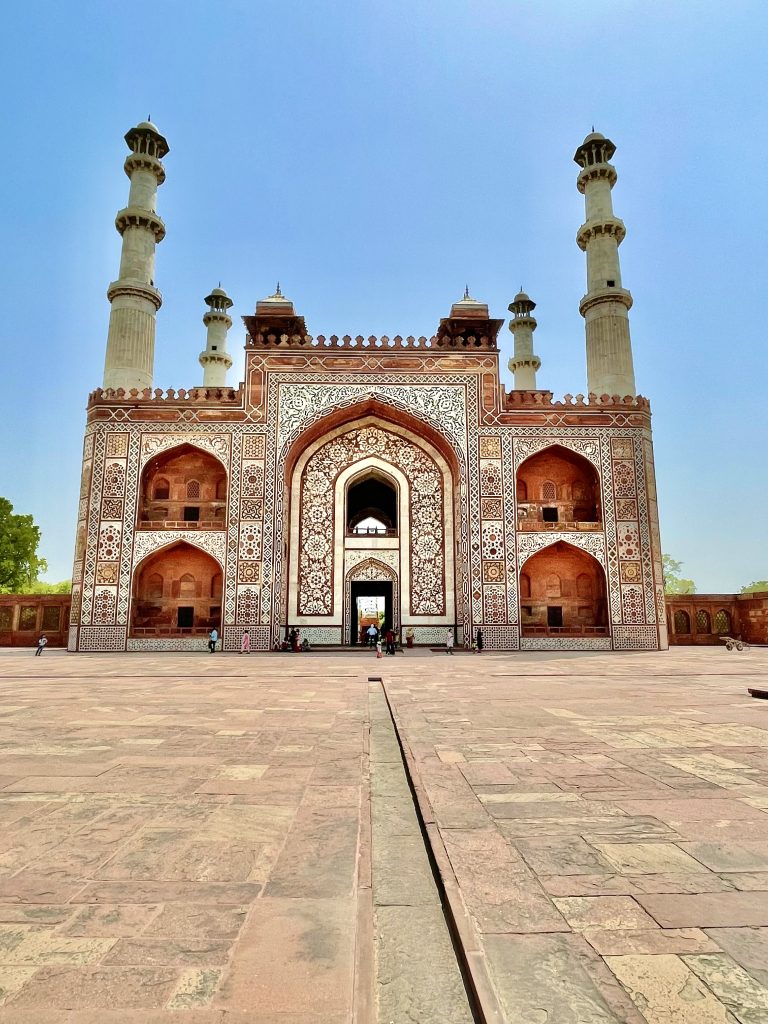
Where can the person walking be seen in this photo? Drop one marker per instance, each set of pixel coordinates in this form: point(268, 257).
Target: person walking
point(41, 643)
point(245, 645)
point(371, 634)
point(479, 642)
point(213, 638)
point(449, 642)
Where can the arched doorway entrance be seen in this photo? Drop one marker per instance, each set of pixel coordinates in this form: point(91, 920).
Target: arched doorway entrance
point(176, 592)
point(370, 489)
point(563, 593)
point(371, 596)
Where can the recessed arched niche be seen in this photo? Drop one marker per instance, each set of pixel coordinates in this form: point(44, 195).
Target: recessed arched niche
point(176, 592)
point(184, 488)
point(558, 486)
point(563, 592)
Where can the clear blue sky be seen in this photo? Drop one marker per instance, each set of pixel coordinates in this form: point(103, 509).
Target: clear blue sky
point(375, 157)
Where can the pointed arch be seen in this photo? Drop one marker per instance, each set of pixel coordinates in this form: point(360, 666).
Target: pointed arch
point(559, 486)
point(183, 602)
point(565, 593)
point(184, 483)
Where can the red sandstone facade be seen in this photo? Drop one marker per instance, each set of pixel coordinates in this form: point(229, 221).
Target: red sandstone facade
point(532, 519)
point(700, 619)
point(343, 469)
point(24, 617)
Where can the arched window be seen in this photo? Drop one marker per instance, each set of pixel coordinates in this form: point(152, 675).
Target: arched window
point(193, 490)
point(155, 585)
point(216, 585)
point(372, 504)
point(583, 585)
point(525, 585)
point(548, 491)
point(703, 625)
point(579, 491)
point(522, 490)
point(221, 489)
point(722, 622)
point(187, 587)
point(162, 489)
point(682, 622)
point(552, 584)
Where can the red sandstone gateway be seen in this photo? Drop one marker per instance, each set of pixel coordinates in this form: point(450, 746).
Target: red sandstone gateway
point(347, 479)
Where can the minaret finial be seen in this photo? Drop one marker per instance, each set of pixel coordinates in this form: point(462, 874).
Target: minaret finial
point(466, 291)
point(277, 290)
point(593, 127)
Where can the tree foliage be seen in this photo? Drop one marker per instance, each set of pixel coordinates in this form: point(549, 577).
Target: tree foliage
point(41, 587)
point(19, 540)
point(755, 588)
point(674, 583)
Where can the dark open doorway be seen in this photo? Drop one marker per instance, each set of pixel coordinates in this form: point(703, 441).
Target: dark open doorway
point(554, 615)
point(370, 589)
point(186, 618)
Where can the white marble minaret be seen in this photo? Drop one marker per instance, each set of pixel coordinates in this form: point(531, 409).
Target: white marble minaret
point(524, 362)
point(606, 304)
point(215, 360)
point(135, 300)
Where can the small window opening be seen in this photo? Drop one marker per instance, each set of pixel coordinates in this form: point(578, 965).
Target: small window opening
point(611, 284)
point(549, 515)
point(214, 348)
point(191, 513)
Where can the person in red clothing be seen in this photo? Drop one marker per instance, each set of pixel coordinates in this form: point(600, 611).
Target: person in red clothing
point(390, 642)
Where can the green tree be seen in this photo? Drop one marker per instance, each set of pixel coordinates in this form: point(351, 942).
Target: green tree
point(41, 587)
point(755, 588)
point(673, 581)
point(19, 540)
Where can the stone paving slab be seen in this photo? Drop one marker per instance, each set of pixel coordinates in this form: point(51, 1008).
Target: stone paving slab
point(184, 838)
point(179, 840)
point(625, 797)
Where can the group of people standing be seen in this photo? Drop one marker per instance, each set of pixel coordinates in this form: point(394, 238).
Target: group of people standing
point(370, 636)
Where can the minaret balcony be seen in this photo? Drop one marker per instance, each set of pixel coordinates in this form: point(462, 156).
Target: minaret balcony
point(593, 228)
point(138, 217)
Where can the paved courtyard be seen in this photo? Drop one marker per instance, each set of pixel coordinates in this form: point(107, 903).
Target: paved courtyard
point(233, 839)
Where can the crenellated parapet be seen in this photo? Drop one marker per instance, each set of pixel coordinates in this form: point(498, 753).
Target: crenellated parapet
point(384, 343)
point(193, 396)
point(540, 399)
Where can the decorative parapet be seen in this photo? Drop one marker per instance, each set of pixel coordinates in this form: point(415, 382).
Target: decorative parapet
point(543, 399)
point(384, 343)
point(193, 396)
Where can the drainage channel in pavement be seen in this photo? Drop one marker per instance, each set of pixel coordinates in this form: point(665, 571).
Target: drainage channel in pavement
point(428, 964)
